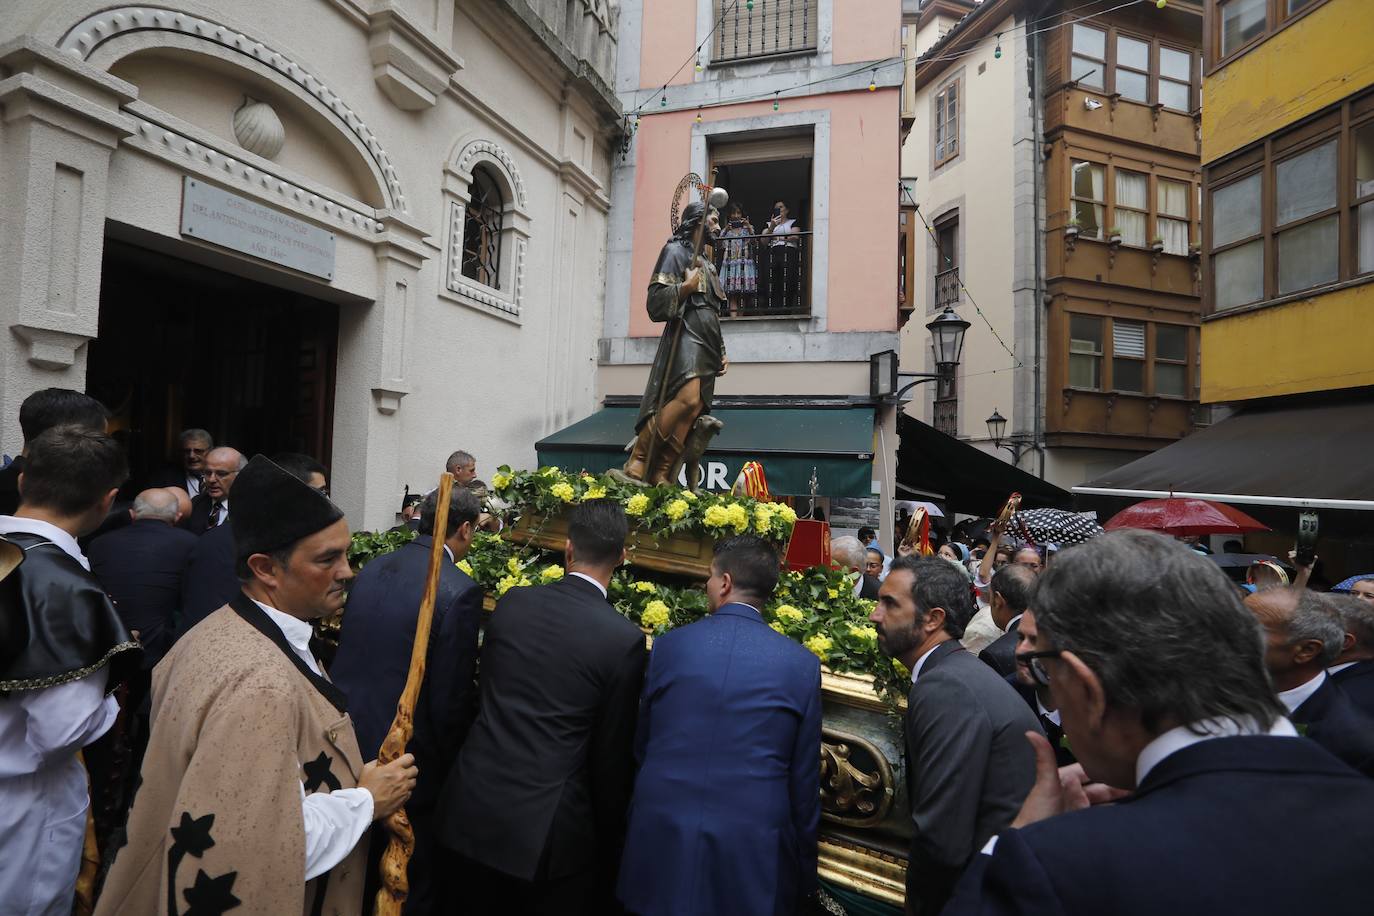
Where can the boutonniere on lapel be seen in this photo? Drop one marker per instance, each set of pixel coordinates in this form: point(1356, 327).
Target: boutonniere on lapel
point(1064, 742)
point(1301, 727)
point(208, 896)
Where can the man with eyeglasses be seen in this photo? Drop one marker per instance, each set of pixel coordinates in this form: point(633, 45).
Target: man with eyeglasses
point(210, 508)
point(195, 445)
point(1158, 673)
point(1036, 694)
point(968, 764)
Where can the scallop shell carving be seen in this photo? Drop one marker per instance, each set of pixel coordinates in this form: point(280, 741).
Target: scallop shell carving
point(258, 129)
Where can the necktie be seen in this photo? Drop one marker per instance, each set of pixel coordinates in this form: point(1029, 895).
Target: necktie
point(214, 514)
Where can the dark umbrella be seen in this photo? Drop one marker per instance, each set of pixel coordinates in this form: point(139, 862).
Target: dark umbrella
point(1185, 517)
point(1054, 526)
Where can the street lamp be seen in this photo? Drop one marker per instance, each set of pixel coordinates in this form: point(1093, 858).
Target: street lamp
point(946, 343)
point(997, 429)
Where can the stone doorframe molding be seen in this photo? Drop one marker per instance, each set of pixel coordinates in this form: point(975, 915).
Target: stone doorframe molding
point(146, 26)
point(507, 300)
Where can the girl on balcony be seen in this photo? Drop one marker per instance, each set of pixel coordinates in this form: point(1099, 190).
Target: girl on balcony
point(739, 271)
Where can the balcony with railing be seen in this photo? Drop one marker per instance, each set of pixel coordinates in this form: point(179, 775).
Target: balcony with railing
point(765, 276)
point(770, 29)
point(947, 288)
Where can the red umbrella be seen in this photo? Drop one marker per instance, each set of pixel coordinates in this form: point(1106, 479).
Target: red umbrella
point(1180, 516)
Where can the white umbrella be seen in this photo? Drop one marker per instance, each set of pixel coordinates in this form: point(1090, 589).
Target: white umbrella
point(911, 505)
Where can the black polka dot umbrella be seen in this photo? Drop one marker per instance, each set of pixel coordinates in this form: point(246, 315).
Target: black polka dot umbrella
point(1054, 526)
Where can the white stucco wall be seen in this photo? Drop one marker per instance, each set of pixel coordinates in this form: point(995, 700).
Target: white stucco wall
point(979, 184)
point(422, 369)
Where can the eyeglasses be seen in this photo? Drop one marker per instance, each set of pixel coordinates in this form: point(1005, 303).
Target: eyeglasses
point(1032, 661)
point(213, 473)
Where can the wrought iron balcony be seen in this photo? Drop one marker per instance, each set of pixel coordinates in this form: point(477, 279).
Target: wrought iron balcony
point(771, 28)
point(947, 288)
point(765, 275)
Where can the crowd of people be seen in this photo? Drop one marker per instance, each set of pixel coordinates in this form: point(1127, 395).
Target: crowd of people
point(1132, 738)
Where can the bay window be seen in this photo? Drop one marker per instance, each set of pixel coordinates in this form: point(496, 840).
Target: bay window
point(1085, 352)
point(1171, 224)
point(1128, 356)
point(1089, 198)
point(1132, 206)
point(1238, 244)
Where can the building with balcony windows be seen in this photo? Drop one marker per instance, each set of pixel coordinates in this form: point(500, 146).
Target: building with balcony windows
point(1287, 259)
point(795, 106)
point(1050, 196)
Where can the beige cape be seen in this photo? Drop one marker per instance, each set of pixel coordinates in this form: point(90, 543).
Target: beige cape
point(239, 724)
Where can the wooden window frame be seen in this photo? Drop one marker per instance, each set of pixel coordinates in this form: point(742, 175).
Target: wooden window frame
point(1103, 67)
point(1100, 355)
point(1144, 359)
point(1153, 75)
point(1339, 122)
point(1152, 336)
point(942, 119)
point(1151, 211)
point(1276, 19)
point(1190, 215)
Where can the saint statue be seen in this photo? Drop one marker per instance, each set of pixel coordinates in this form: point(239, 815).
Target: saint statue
point(674, 424)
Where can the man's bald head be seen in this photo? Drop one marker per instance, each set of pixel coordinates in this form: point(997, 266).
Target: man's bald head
point(183, 502)
point(222, 465)
point(157, 504)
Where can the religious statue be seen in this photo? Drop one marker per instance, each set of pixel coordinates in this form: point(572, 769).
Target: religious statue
point(674, 424)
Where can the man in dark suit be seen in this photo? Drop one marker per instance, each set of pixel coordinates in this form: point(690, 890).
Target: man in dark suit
point(536, 803)
point(210, 508)
point(189, 475)
point(374, 659)
point(1353, 671)
point(1159, 675)
point(140, 567)
point(1038, 696)
point(968, 763)
point(211, 581)
point(729, 832)
point(1303, 635)
point(1011, 592)
point(40, 412)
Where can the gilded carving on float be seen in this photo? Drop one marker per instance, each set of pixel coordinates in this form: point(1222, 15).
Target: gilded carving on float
point(258, 129)
point(856, 780)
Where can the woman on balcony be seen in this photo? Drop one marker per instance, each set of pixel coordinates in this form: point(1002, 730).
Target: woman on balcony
point(739, 271)
point(783, 280)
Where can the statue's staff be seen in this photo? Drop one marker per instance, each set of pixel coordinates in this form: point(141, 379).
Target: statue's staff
point(401, 844)
point(712, 197)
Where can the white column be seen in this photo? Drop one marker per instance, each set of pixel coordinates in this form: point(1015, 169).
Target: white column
point(61, 122)
point(374, 347)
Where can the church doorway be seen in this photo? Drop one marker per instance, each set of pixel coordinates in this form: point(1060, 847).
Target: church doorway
point(183, 345)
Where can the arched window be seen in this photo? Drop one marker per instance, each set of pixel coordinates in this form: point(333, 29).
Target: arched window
point(482, 231)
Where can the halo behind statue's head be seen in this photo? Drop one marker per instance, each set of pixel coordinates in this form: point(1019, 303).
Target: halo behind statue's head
point(691, 184)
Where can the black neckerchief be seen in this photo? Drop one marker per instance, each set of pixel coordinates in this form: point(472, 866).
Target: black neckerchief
point(246, 608)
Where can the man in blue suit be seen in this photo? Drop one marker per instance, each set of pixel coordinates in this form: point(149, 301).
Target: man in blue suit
point(374, 659)
point(727, 800)
point(1353, 671)
point(1158, 673)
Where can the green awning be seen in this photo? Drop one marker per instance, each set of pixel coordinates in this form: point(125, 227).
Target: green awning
point(788, 442)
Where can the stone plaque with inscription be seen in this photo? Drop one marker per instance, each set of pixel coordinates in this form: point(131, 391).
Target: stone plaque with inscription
point(216, 216)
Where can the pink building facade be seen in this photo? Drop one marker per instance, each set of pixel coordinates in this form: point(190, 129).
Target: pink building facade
point(793, 102)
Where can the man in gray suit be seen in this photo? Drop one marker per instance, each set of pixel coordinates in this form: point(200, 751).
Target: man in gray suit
point(969, 765)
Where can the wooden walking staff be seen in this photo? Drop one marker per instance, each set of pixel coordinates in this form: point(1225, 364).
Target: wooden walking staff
point(401, 845)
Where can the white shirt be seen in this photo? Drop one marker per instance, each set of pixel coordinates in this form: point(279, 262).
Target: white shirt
point(785, 228)
point(1051, 714)
point(192, 485)
point(981, 631)
point(43, 796)
point(223, 511)
point(334, 821)
point(1301, 693)
point(1337, 669)
point(921, 662)
point(599, 587)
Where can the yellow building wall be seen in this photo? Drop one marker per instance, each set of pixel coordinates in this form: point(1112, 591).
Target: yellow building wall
point(1316, 344)
point(1315, 62)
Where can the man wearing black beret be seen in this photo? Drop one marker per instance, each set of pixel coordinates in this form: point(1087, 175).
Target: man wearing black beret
point(254, 793)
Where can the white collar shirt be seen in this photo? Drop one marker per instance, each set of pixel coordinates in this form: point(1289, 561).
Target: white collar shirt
point(1302, 693)
point(10, 524)
point(192, 485)
point(921, 662)
point(297, 633)
point(599, 587)
point(1176, 739)
point(1337, 669)
point(1051, 714)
